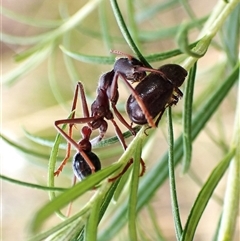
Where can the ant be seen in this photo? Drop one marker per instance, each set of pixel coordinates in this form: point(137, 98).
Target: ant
point(129, 69)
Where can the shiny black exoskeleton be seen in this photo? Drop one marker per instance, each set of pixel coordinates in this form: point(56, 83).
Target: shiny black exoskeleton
point(80, 167)
point(157, 91)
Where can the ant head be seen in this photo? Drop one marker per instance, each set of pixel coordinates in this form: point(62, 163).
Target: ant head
point(130, 69)
point(174, 73)
point(80, 167)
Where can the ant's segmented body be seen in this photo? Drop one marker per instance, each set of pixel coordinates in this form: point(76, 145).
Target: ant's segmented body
point(151, 96)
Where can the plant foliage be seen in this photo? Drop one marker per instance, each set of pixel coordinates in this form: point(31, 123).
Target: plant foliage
point(119, 205)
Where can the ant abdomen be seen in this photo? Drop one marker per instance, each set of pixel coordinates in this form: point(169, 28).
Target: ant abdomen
point(157, 91)
point(80, 167)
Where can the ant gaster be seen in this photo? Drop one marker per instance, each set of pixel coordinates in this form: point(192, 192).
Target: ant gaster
point(129, 69)
point(157, 91)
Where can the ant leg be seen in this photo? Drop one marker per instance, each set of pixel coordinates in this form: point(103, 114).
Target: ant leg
point(83, 100)
point(63, 163)
point(143, 167)
point(119, 134)
point(72, 121)
point(123, 121)
point(140, 102)
point(113, 93)
point(86, 132)
point(113, 99)
point(151, 70)
point(122, 172)
point(159, 117)
point(68, 136)
point(126, 168)
point(121, 139)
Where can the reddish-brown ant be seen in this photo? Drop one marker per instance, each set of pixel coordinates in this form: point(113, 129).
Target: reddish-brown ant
point(129, 69)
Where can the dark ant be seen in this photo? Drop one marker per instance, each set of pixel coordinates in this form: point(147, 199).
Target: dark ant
point(157, 91)
point(130, 69)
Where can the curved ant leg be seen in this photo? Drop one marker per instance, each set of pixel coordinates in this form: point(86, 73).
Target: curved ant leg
point(122, 172)
point(83, 100)
point(68, 137)
point(119, 134)
point(126, 168)
point(79, 88)
point(113, 97)
point(122, 120)
point(143, 167)
point(83, 146)
point(57, 172)
point(139, 100)
point(121, 139)
point(151, 70)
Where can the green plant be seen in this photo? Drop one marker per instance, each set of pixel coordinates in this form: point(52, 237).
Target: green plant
point(131, 193)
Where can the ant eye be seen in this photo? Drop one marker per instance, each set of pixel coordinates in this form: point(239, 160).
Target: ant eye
point(135, 62)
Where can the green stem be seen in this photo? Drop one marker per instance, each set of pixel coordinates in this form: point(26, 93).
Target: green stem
point(187, 119)
point(175, 206)
point(231, 201)
point(125, 32)
point(212, 26)
point(132, 214)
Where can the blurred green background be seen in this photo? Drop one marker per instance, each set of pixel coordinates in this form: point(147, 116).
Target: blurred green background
point(41, 94)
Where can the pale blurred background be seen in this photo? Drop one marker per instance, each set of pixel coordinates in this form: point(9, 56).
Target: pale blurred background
point(30, 104)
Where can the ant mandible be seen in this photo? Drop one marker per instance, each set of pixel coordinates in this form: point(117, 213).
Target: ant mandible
point(129, 69)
